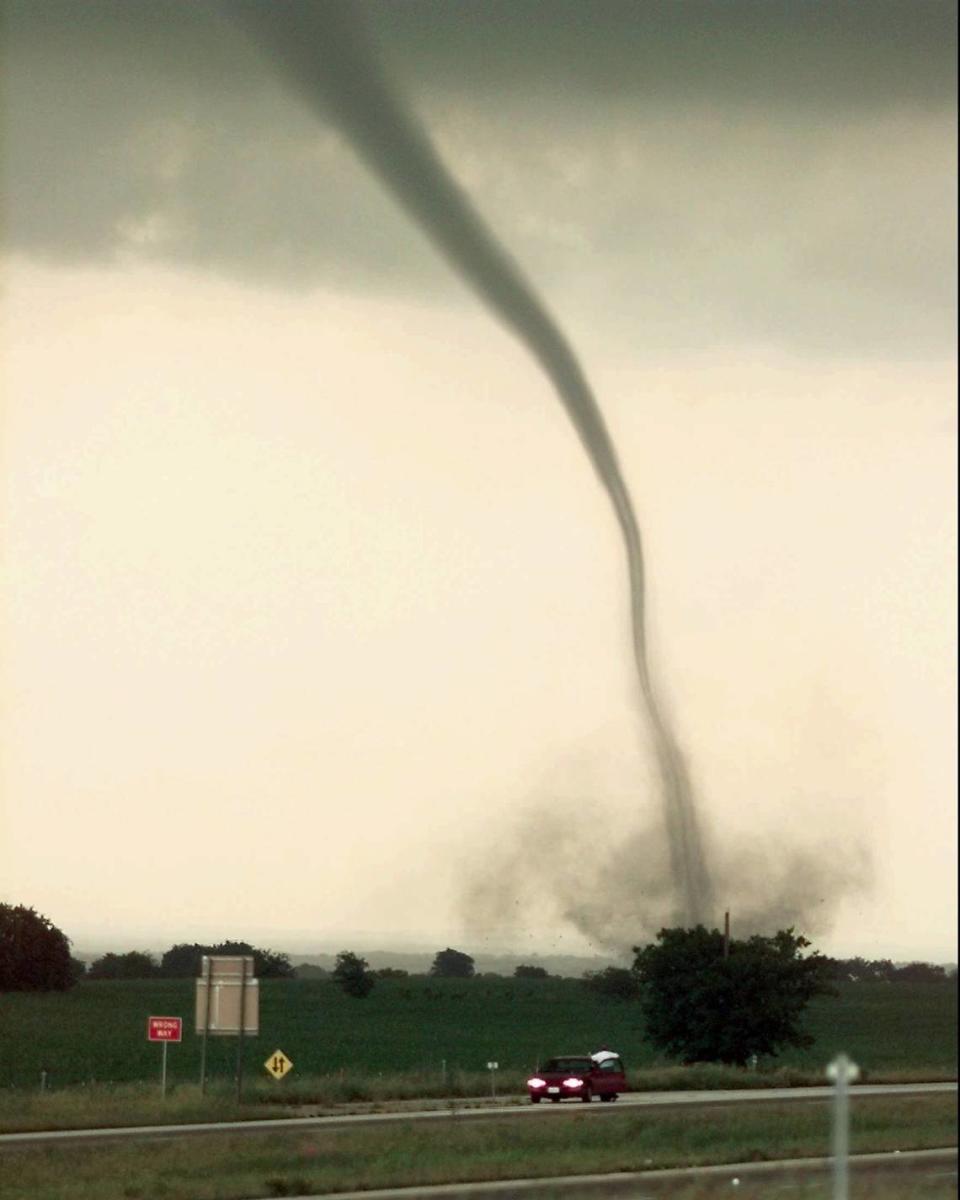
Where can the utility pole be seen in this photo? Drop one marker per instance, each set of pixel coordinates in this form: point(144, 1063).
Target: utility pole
point(726, 935)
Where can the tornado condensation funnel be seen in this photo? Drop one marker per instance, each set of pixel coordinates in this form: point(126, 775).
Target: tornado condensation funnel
point(321, 49)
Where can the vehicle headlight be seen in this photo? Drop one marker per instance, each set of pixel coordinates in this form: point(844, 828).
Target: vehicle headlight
point(573, 1083)
point(536, 1082)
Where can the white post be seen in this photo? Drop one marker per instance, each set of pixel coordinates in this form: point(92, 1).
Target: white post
point(842, 1071)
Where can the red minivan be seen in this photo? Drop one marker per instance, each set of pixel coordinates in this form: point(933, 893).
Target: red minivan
point(578, 1076)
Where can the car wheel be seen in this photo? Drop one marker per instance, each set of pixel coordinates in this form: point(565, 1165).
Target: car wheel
point(534, 1099)
point(587, 1096)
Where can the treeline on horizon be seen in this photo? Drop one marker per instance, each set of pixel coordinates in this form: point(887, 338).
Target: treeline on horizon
point(882, 970)
point(183, 961)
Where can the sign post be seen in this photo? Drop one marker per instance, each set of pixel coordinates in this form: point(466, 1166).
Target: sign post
point(240, 1029)
point(164, 1030)
point(841, 1072)
point(227, 1004)
point(492, 1068)
point(206, 1025)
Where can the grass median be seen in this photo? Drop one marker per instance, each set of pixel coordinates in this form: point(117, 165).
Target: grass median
point(559, 1141)
point(115, 1105)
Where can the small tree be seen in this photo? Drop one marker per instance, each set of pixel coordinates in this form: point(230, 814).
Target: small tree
point(920, 972)
point(183, 960)
point(310, 971)
point(271, 964)
point(524, 971)
point(452, 964)
point(34, 953)
point(133, 965)
point(353, 974)
point(704, 1007)
point(267, 964)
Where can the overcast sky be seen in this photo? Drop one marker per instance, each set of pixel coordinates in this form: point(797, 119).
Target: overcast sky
point(316, 621)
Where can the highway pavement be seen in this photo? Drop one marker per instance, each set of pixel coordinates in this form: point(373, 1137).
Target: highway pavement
point(775, 1178)
point(466, 1110)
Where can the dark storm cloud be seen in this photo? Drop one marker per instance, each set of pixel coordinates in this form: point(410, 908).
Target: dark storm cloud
point(842, 55)
point(710, 172)
point(152, 130)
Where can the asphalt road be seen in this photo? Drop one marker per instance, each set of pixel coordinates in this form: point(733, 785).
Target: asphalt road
point(462, 1111)
point(768, 1179)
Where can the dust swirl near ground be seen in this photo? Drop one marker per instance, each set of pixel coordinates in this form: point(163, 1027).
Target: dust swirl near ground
point(617, 887)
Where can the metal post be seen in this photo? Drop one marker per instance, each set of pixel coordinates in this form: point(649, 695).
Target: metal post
point(841, 1134)
point(842, 1071)
point(243, 1021)
point(163, 1072)
point(206, 1029)
point(43, 1079)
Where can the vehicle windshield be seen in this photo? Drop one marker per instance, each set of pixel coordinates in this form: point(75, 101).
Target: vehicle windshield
point(568, 1066)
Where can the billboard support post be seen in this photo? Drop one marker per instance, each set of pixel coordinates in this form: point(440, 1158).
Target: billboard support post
point(206, 1027)
point(227, 1004)
point(243, 1021)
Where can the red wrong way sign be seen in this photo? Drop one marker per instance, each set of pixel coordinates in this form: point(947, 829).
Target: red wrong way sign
point(164, 1029)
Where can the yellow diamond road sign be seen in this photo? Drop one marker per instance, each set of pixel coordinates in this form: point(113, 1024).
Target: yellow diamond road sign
point(278, 1064)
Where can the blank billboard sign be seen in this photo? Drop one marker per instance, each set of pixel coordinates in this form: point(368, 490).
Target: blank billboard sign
point(227, 993)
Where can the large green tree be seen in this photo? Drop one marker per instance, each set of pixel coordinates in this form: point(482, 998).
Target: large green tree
point(34, 953)
point(701, 1004)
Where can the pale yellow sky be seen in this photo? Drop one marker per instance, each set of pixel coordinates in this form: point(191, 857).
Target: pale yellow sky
point(315, 620)
point(310, 596)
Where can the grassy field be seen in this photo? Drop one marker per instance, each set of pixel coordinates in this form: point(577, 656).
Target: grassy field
point(556, 1142)
point(414, 1029)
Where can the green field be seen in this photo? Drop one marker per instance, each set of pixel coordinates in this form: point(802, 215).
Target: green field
point(96, 1031)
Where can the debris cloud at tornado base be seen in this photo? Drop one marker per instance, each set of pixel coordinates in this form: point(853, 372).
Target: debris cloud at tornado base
point(323, 53)
point(616, 888)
